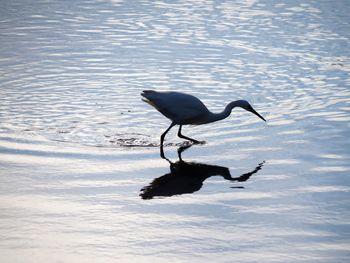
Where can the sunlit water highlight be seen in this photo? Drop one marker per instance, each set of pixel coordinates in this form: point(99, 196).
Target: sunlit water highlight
point(80, 174)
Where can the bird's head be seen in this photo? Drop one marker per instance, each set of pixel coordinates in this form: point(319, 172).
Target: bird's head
point(245, 105)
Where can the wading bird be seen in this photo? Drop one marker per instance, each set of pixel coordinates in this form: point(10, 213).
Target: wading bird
point(185, 109)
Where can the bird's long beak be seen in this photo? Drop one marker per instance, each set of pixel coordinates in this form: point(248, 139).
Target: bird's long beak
point(257, 114)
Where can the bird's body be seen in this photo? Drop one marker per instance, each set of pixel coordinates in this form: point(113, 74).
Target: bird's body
point(179, 107)
point(185, 109)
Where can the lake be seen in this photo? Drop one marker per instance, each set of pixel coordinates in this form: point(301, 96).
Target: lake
point(81, 177)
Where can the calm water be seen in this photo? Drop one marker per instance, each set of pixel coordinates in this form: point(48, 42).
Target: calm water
point(81, 179)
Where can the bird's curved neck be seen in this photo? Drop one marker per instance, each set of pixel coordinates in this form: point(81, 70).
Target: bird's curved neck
point(224, 114)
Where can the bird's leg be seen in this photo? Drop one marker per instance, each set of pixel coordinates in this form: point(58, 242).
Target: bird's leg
point(187, 138)
point(162, 140)
point(162, 152)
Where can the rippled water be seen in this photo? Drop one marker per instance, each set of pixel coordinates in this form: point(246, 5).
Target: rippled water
point(81, 177)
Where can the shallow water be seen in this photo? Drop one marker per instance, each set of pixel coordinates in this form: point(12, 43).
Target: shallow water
point(81, 178)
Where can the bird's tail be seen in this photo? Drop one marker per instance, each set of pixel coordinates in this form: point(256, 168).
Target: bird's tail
point(147, 97)
point(147, 93)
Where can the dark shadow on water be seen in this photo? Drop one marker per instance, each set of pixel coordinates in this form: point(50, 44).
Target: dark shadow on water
point(188, 177)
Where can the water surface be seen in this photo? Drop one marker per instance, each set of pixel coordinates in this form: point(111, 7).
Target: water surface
point(81, 178)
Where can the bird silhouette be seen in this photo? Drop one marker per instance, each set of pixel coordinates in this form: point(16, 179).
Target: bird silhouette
point(188, 177)
point(185, 109)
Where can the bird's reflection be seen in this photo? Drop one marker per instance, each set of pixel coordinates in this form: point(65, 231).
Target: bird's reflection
point(188, 177)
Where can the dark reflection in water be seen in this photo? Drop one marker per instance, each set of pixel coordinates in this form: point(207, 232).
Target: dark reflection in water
point(188, 177)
